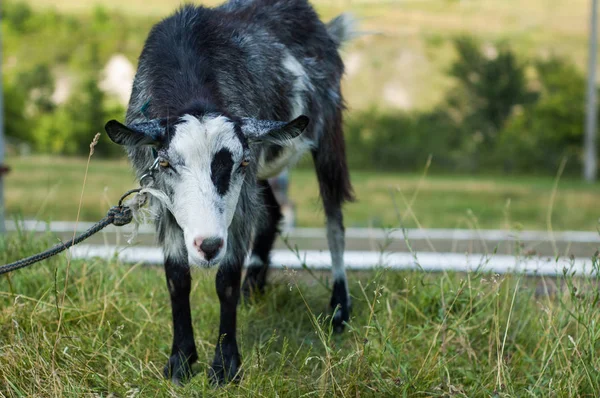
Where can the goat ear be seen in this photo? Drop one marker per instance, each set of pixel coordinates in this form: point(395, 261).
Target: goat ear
point(273, 132)
point(146, 133)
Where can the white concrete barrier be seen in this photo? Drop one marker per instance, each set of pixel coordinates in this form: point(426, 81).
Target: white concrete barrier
point(363, 260)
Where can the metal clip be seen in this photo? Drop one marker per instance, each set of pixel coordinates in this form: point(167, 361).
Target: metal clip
point(148, 178)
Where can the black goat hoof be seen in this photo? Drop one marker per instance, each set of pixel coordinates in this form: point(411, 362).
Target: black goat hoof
point(340, 317)
point(254, 284)
point(340, 305)
point(179, 369)
point(226, 366)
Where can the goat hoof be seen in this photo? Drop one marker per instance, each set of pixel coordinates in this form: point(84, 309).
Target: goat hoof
point(251, 292)
point(225, 369)
point(340, 317)
point(178, 369)
point(254, 285)
point(340, 305)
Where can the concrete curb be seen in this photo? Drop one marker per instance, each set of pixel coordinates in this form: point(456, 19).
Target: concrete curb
point(364, 260)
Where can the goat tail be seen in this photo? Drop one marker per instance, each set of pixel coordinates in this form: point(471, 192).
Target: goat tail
point(342, 28)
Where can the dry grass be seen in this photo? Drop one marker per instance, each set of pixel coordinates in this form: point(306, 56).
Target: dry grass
point(411, 334)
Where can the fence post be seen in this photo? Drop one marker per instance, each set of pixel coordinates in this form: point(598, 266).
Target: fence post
point(590, 162)
point(2, 167)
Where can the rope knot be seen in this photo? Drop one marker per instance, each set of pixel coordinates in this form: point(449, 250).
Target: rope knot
point(120, 215)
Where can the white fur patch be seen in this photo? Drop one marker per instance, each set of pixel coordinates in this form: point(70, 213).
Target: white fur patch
point(174, 245)
point(254, 262)
point(197, 206)
point(289, 156)
point(335, 238)
point(300, 86)
point(293, 149)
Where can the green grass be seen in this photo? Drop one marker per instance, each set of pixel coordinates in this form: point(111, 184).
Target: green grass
point(411, 334)
point(49, 188)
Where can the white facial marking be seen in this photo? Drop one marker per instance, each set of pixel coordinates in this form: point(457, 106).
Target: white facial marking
point(201, 210)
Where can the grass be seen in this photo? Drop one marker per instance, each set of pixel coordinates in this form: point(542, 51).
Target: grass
point(411, 334)
point(404, 65)
point(49, 187)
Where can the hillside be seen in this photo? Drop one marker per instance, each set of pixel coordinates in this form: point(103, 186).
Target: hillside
point(401, 63)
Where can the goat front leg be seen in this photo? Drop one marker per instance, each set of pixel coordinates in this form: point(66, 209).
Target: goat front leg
point(179, 282)
point(227, 360)
point(183, 350)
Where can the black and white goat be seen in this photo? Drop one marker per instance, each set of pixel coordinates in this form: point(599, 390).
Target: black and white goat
point(212, 101)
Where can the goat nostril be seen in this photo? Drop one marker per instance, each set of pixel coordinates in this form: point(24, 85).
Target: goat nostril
point(211, 247)
point(198, 243)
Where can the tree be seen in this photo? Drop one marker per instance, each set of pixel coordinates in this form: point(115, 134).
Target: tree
point(537, 138)
point(489, 87)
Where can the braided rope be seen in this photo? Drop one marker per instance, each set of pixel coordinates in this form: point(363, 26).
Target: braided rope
point(117, 215)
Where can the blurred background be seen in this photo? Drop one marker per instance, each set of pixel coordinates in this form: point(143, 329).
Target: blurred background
point(461, 113)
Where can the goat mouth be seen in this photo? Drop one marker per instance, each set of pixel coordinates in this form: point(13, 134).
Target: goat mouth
point(201, 263)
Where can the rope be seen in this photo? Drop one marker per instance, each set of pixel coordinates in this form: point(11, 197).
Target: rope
point(118, 215)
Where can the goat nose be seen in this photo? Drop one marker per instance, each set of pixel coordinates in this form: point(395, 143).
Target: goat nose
point(210, 247)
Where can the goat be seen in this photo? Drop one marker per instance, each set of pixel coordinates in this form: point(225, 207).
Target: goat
point(218, 102)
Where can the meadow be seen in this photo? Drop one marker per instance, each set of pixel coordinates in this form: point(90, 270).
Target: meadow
point(103, 329)
point(49, 188)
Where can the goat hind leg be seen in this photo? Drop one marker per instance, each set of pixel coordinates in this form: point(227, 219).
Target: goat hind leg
point(258, 266)
point(335, 188)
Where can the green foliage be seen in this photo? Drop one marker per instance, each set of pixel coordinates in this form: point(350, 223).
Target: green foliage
point(16, 124)
point(39, 83)
point(401, 141)
point(490, 86)
point(504, 113)
point(541, 134)
point(497, 118)
point(461, 133)
point(16, 15)
point(55, 132)
point(70, 127)
point(40, 45)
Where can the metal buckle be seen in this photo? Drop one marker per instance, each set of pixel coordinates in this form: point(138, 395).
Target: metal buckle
point(148, 178)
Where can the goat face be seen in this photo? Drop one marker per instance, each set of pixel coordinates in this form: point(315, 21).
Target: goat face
point(202, 167)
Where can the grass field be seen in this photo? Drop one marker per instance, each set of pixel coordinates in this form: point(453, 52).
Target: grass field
point(411, 334)
point(49, 188)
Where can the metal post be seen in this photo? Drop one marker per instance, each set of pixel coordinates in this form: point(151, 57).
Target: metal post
point(590, 161)
point(2, 227)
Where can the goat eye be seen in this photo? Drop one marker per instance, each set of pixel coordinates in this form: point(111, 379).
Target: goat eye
point(245, 162)
point(163, 163)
